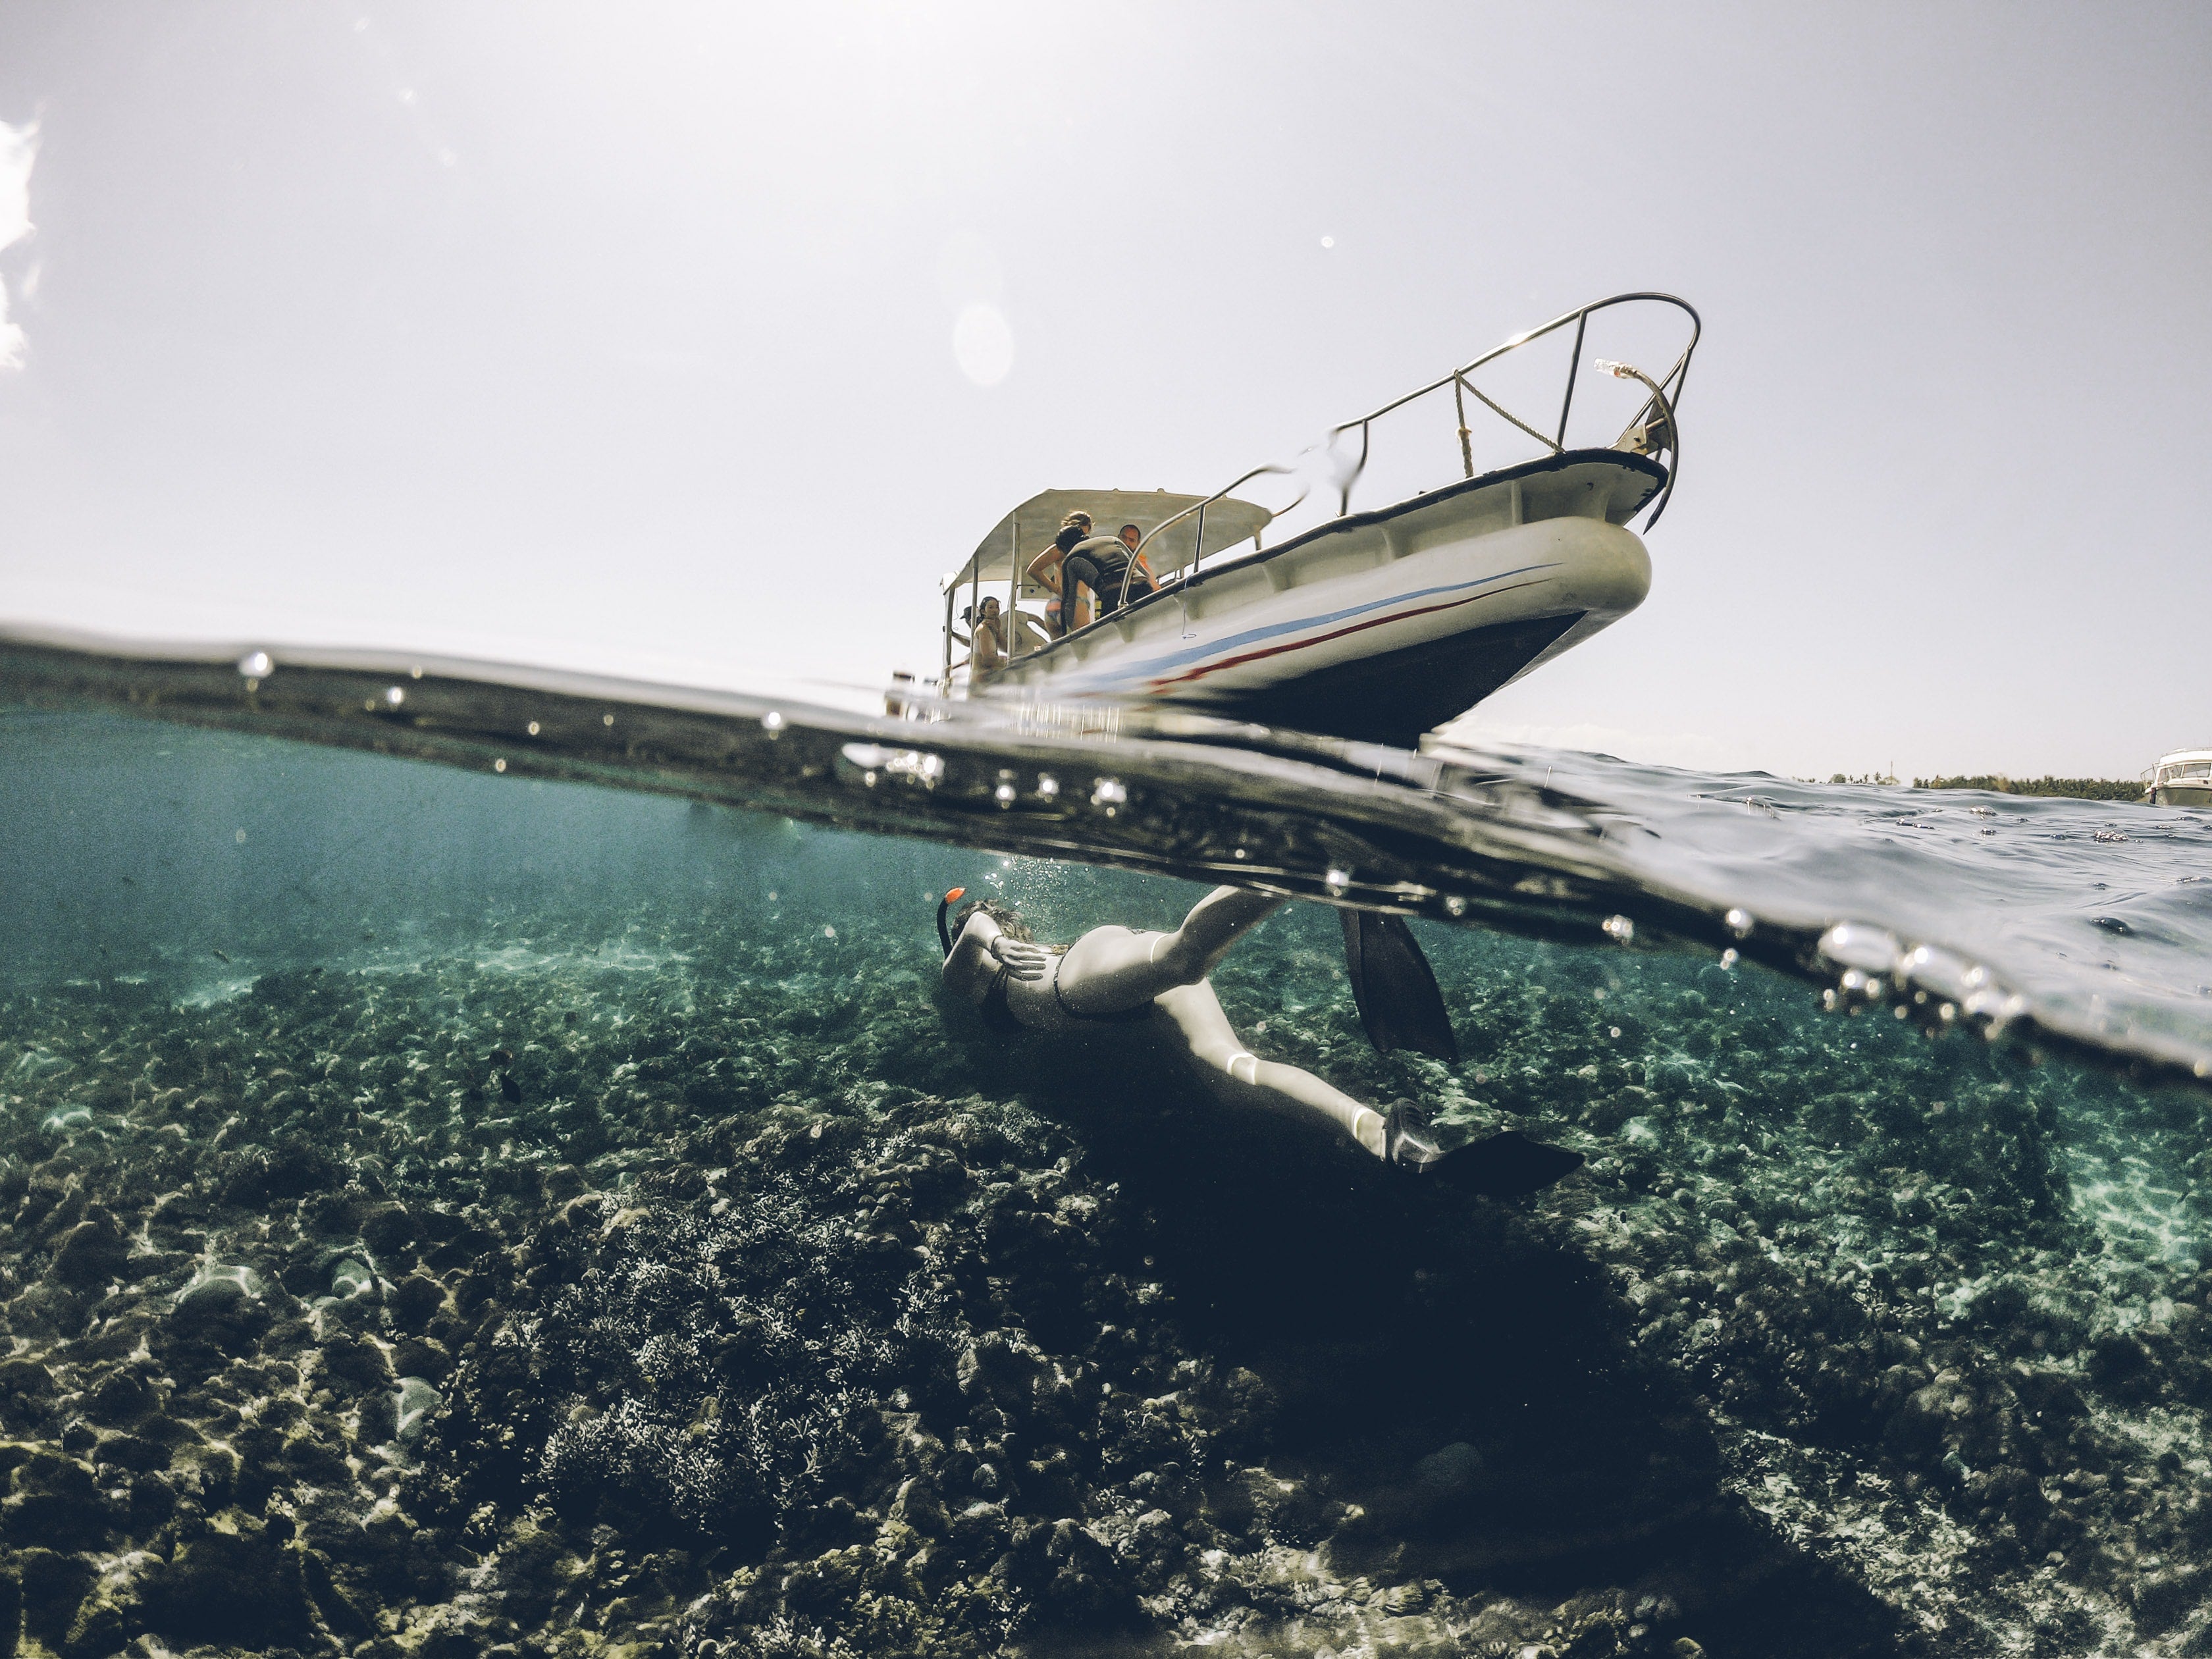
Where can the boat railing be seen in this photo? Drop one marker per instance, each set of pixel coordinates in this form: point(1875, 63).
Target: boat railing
point(1651, 430)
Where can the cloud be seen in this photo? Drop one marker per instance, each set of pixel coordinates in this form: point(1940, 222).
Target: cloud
point(19, 148)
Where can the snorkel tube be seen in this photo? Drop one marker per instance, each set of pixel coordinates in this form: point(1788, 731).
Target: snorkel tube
point(944, 933)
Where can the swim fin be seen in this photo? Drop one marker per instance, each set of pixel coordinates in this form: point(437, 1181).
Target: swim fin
point(1507, 1164)
point(1400, 1005)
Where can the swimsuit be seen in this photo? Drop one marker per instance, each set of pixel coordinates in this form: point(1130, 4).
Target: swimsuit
point(997, 1016)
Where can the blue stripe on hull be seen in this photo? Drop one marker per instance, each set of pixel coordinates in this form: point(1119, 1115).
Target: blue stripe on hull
point(1103, 676)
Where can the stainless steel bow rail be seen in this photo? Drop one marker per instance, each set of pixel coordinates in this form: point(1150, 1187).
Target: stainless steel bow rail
point(1652, 431)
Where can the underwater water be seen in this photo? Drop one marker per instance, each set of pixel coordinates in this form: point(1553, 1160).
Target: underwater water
point(457, 1211)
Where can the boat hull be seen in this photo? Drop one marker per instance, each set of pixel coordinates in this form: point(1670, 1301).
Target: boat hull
point(1382, 628)
point(2182, 795)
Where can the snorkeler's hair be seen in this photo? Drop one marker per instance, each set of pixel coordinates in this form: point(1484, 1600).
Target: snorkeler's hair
point(1010, 921)
point(1082, 519)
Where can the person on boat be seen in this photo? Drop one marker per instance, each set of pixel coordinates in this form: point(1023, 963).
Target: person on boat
point(1121, 979)
point(1108, 567)
point(987, 646)
point(1046, 570)
point(1143, 581)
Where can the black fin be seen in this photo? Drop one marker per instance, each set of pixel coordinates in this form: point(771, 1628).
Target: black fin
point(1400, 1005)
point(1508, 1165)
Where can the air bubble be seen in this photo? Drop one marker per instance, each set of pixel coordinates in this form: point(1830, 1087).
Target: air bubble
point(1338, 882)
point(1855, 945)
point(1455, 906)
point(1108, 791)
point(1239, 854)
point(1047, 786)
point(1619, 929)
point(1739, 923)
point(828, 933)
point(533, 729)
point(1729, 958)
point(772, 723)
point(1004, 794)
point(607, 720)
point(394, 696)
point(499, 766)
point(868, 778)
point(255, 666)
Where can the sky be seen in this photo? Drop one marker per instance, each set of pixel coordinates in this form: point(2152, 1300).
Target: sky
point(701, 340)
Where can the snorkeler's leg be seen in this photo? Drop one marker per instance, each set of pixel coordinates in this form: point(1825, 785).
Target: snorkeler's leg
point(1507, 1164)
point(1111, 969)
point(1213, 1042)
point(1215, 922)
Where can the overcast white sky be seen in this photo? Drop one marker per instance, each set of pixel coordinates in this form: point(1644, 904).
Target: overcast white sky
point(629, 329)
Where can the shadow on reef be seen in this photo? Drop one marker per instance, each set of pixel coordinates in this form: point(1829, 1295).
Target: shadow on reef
point(1437, 1392)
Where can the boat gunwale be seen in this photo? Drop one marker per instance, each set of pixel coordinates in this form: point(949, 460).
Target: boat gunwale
point(1656, 470)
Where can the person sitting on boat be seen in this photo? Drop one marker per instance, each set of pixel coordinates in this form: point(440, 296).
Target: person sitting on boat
point(1121, 979)
point(986, 645)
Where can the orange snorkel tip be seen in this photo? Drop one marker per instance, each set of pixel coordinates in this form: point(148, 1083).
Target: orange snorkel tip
point(954, 895)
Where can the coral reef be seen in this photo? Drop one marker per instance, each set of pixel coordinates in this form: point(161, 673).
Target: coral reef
point(703, 1296)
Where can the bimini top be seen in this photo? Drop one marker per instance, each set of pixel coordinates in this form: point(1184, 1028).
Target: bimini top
point(1028, 528)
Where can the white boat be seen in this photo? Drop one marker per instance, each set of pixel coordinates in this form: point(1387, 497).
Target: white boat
point(2182, 778)
point(1376, 624)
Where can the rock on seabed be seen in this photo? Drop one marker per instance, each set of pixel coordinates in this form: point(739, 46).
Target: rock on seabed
point(736, 1306)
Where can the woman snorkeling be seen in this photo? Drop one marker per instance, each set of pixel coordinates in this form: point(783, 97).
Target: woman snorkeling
point(1121, 976)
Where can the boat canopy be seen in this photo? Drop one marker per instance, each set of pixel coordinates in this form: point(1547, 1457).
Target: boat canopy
point(1028, 528)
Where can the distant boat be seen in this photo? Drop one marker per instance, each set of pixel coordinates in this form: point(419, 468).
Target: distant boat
point(2182, 778)
point(1376, 624)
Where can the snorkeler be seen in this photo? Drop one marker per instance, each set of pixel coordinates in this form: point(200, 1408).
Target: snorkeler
point(1121, 976)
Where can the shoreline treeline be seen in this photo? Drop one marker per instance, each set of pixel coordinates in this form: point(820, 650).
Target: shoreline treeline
point(2073, 788)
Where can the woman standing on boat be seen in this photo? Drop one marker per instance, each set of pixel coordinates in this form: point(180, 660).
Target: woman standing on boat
point(1049, 569)
point(1118, 979)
